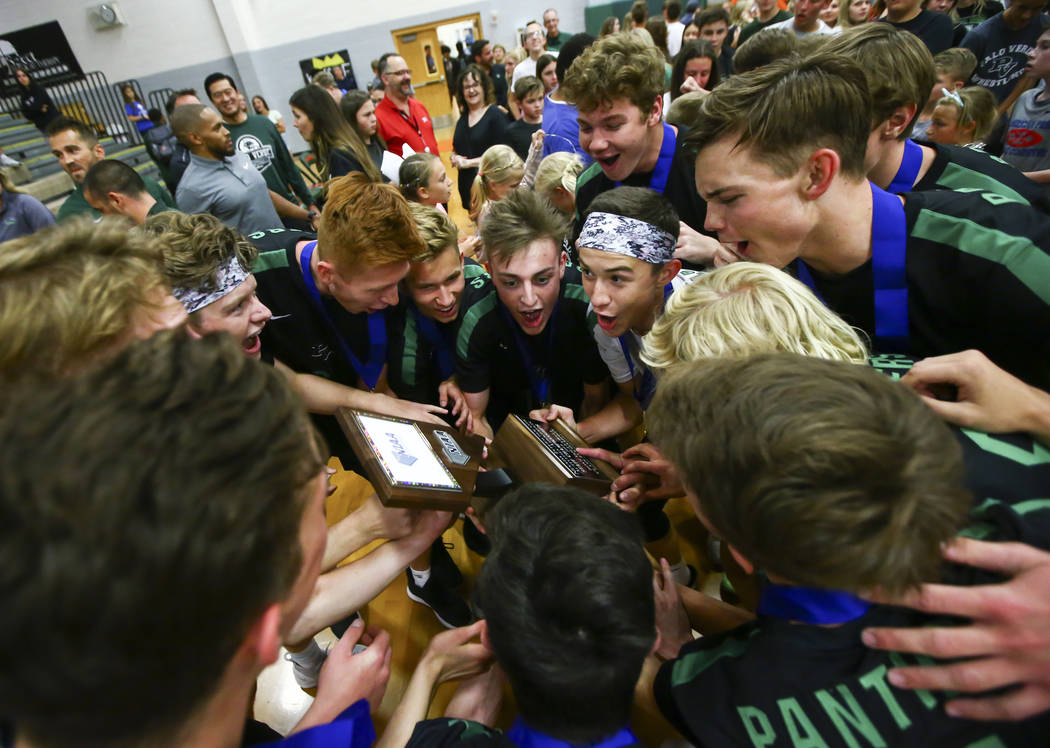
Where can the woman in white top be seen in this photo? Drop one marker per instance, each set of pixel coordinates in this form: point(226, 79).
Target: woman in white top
point(259, 104)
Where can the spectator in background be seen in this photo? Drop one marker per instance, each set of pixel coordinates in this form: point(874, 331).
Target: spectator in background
point(695, 69)
point(359, 110)
point(969, 14)
point(20, 215)
point(258, 138)
point(220, 180)
point(690, 9)
point(935, 29)
point(534, 41)
point(639, 14)
point(547, 72)
point(402, 119)
point(769, 12)
point(452, 66)
point(326, 80)
point(964, 117)
point(672, 16)
point(610, 25)
point(484, 57)
point(136, 113)
point(481, 125)
point(77, 149)
point(343, 83)
point(180, 159)
point(830, 14)
point(262, 108)
point(559, 116)
point(657, 28)
point(529, 93)
point(555, 36)
point(334, 142)
point(853, 13)
point(714, 27)
point(806, 20)
point(1002, 45)
point(35, 102)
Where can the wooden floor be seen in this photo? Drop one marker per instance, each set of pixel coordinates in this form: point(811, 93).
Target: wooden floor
point(280, 702)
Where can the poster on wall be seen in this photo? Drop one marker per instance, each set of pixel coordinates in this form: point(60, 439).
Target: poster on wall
point(336, 63)
point(42, 51)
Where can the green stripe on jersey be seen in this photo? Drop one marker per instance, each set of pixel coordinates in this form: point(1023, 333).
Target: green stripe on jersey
point(1018, 254)
point(275, 258)
point(588, 174)
point(957, 177)
point(688, 667)
point(472, 271)
point(575, 291)
point(470, 321)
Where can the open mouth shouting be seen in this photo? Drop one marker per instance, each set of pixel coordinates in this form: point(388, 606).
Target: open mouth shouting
point(532, 320)
point(252, 345)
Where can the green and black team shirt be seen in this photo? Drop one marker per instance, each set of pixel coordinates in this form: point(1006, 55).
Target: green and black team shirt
point(774, 683)
point(978, 275)
point(680, 189)
point(958, 168)
point(414, 366)
point(258, 137)
point(296, 335)
point(1011, 469)
point(488, 358)
point(440, 733)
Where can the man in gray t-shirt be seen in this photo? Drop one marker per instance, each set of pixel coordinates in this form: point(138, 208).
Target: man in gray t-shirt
point(218, 181)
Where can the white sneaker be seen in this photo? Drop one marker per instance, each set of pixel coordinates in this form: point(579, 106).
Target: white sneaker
point(6, 160)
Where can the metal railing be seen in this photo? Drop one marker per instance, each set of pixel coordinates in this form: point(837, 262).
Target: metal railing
point(159, 98)
point(91, 100)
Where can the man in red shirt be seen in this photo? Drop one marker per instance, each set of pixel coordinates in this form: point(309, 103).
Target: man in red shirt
point(402, 119)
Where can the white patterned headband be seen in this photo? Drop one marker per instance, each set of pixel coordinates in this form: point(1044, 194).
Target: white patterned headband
point(609, 232)
point(227, 278)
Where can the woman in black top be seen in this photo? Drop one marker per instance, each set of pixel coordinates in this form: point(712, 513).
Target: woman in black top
point(481, 124)
point(360, 111)
point(37, 106)
point(336, 146)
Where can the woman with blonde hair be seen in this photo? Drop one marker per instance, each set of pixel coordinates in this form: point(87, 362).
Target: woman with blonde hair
point(499, 171)
point(556, 180)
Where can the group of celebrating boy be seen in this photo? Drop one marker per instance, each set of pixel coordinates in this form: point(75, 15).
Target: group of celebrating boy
point(162, 487)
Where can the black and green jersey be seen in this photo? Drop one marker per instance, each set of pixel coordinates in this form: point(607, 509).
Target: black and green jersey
point(958, 168)
point(778, 683)
point(680, 189)
point(258, 137)
point(1012, 469)
point(296, 334)
point(76, 204)
point(978, 276)
point(437, 733)
point(414, 366)
point(488, 356)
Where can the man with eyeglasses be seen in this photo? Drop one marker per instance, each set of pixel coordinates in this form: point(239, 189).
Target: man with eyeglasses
point(535, 45)
point(402, 119)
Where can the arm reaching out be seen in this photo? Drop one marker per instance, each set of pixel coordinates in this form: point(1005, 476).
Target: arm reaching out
point(1008, 637)
point(988, 398)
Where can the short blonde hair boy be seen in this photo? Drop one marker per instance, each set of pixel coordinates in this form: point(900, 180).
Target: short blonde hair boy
point(743, 309)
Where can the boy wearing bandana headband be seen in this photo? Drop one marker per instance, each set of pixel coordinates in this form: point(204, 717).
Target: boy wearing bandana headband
point(627, 261)
point(617, 86)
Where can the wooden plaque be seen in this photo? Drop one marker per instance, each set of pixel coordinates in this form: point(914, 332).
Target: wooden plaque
point(538, 454)
point(411, 463)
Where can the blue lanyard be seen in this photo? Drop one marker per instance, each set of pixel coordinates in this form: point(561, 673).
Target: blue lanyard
point(644, 393)
point(663, 161)
point(810, 604)
point(442, 350)
point(370, 370)
point(525, 737)
point(909, 169)
point(540, 385)
point(889, 239)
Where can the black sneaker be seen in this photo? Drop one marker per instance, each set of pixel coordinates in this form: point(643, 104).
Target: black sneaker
point(450, 608)
point(443, 566)
point(475, 539)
